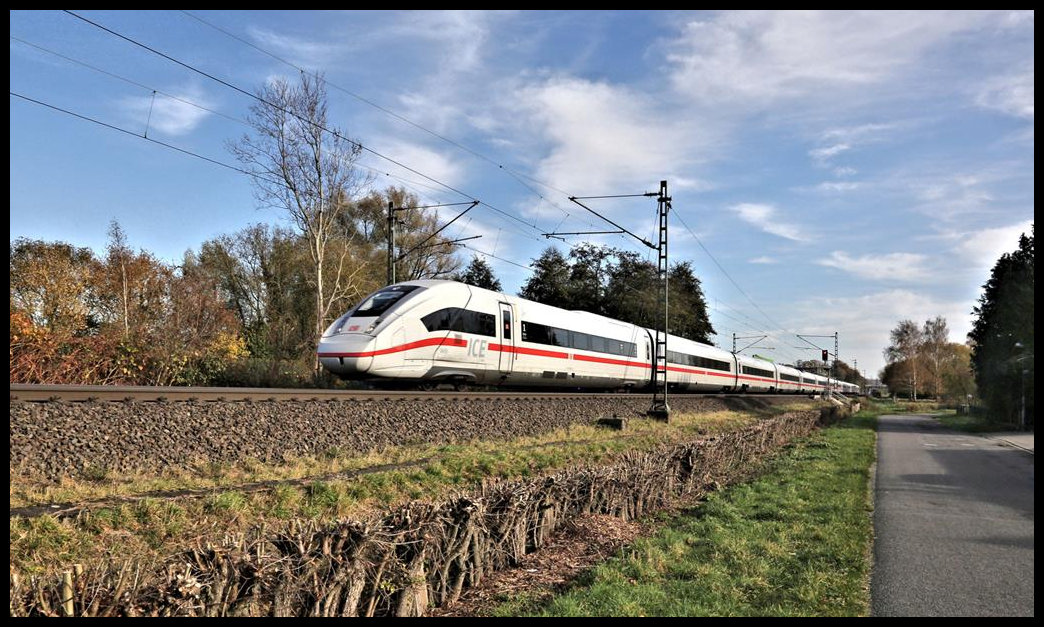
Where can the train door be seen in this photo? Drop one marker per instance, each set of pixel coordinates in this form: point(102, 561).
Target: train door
point(735, 373)
point(650, 347)
point(507, 339)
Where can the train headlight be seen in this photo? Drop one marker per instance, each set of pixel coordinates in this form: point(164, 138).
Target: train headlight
point(335, 328)
point(376, 323)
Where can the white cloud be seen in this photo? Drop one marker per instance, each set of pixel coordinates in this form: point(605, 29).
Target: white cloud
point(763, 260)
point(1019, 18)
point(1012, 94)
point(596, 138)
point(432, 163)
point(981, 249)
point(838, 140)
point(306, 52)
point(461, 36)
point(822, 155)
point(953, 196)
point(764, 217)
point(861, 133)
point(838, 186)
point(864, 322)
point(167, 115)
point(762, 56)
point(693, 184)
point(432, 110)
point(888, 267)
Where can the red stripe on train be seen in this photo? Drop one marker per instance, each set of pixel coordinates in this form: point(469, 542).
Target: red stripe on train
point(519, 350)
point(434, 341)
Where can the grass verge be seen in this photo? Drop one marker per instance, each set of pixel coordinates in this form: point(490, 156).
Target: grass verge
point(795, 542)
point(974, 423)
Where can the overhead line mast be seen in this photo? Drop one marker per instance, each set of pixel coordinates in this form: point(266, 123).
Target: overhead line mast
point(659, 408)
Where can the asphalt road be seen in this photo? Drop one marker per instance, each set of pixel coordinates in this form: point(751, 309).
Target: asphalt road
point(954, 523)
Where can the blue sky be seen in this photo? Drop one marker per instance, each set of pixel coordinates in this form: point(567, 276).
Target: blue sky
point(846, 170)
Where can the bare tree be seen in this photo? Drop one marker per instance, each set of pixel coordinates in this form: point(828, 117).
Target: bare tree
point(307, 168)
point(905, 349)
point(935, 339)
point(118, 252)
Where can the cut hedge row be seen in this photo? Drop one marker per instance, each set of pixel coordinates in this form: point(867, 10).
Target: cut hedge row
point(419, 556)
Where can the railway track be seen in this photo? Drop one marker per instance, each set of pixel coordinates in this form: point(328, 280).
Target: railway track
point(106, 393)
point(149, 394)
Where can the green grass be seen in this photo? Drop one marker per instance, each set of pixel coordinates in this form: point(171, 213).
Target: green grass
point(795, 542)
point(974, 423)
point(905, 406)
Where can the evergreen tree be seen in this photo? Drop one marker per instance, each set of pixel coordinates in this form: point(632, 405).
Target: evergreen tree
point(1002, 356)
point(634, 296)
point(550, 281)
point(479, 274)
point(688, 307)
point(588, 277)
point(620, 284)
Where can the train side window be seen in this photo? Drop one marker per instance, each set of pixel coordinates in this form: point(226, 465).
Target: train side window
point(507, 324)
point(484, 324)
point(581, 341)
point(535, 333)
point(598, 344)
point(457, 320)
point(462, 321)
point(438, 320)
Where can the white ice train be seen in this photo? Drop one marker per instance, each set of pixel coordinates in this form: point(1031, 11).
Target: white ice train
point(431, 332)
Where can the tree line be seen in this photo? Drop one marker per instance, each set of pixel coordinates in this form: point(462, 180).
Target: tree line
point(996, 363)
point(620, 284)
point(242, 310)
point(922, 362)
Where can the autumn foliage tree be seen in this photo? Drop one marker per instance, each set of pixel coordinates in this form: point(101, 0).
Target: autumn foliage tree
point(125, 319)
point(923, 361)
point(262, 274)
point(903, 355)
point(421, 252)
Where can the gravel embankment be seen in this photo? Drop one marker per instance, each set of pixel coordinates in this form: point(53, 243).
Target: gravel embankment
point(55, 439)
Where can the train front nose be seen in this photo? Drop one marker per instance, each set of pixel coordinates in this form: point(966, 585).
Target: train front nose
point(348, 355)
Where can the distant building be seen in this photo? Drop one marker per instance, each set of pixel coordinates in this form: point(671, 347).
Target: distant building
point(874, 387)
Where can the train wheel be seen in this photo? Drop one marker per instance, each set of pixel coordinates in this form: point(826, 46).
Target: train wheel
point(461, 386)
point(427, 386)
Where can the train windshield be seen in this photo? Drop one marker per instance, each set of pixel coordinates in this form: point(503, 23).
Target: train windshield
point(382, 301)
